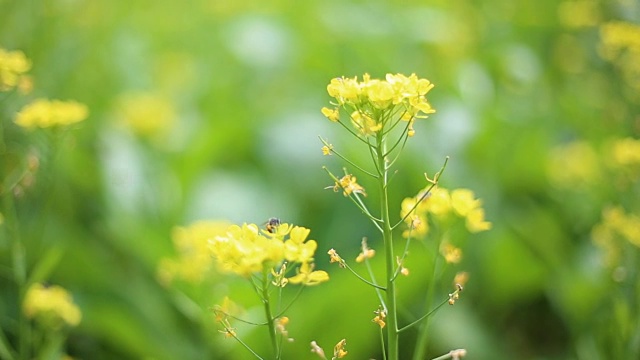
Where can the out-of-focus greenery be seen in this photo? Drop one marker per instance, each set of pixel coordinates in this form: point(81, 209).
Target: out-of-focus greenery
point(210, 110)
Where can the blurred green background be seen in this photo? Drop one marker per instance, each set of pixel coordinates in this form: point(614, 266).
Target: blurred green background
point(210, 110)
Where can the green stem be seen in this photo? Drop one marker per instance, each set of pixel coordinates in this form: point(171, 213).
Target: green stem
point(267, 311)
point(423, 334)
point(392, 318)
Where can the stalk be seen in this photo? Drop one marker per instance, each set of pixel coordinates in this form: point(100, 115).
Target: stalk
point(392, 319)
point(267, 310)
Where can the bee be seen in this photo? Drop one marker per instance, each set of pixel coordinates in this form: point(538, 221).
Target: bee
point(272, 224)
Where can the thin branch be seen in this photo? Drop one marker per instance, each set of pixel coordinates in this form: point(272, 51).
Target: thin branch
point(346, 159)
point(423, 316)
point(363, 279)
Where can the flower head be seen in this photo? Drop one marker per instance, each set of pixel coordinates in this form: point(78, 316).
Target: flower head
point(193, 262)
point(326, 150)
point(51, 305)
point(244, 250)
point(334, 257)
point(338, 351)
point(331, 114)
point(366, 253)
point(381, 315)
point(13, 66)
point(306, 276)
point(349, 186)
point(370, 99)
point(48, 113)
point(298, 248)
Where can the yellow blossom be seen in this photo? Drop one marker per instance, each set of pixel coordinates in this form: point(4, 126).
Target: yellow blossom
point(452, 254)
point(574, 164)
point(331, 114)
point(193, 262)
point(52, 305)
point(620, 44)
point(225, 309)
point(578, 14)
point(381, 315)
point(334, 257)
point(364, 123)
point(475, 221)
point(281, 326)
point(439, 202)
point(13, 66)
point(463, 201)
point(461, 278)
point(345, 90)
point(349, 185)
point(296, 249)
point(326, 150)
point(146, 114)
point(626, 152)
point(417, 223)
point(47, 113)
point(379, 93)
point(306, 276)
point(244, 251)
point(365, 98)
point(366, 253)
point(338, 351)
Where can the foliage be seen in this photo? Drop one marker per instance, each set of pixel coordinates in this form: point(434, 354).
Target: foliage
point(209, 110)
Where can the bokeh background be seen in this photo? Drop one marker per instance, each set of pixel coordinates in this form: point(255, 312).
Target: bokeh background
point(210, 110)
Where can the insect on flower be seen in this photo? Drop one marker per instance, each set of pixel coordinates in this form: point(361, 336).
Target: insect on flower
point(272, 224)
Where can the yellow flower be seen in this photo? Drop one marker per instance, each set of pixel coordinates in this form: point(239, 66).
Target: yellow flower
point(338, 351)
point(626, 151)
point(193, 261)
point(417, 221)
point(379, 93)
point(461, 278)
point(334, 257)
point(52, 305)
point(463, 201)
point(344, 90)
point(296, 249)
point(13, 66)
point(244, 251)
point(331, 114)
point(381, 315)
point(306, 276)
point(146, 114)
point(47, 113)
point(326, 150)
point(364, 123)
point(452, 254)
point(439, 202)
point(475, 221)
point(574, 164)
point(349, 185)
point(408, 93)
point(366, 253)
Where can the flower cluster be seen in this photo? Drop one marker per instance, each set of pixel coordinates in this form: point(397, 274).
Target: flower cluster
point(13, 66)
point(372, 102)
point(193, 261)
point(146, 114)
point(441, 202)
point(51, 305)
point(616, 224)
point(45, 113)
point(620, 44)
point(246, 250)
